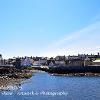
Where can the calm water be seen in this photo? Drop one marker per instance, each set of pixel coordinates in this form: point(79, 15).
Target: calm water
point(57, 88)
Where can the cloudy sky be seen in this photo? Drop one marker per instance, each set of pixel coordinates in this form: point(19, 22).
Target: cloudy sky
point(49, 27)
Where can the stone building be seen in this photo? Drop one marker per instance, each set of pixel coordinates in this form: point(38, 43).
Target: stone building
point(79, 62)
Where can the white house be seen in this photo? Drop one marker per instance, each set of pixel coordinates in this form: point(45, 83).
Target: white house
point(42, 61)
point(60, 62)
point(27, 62)
point(36, 63)
point(96, 62)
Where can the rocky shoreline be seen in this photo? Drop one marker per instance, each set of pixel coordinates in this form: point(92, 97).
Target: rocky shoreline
point(7, 83)
point(15, 73)
point(72, 71)
point(12, 78)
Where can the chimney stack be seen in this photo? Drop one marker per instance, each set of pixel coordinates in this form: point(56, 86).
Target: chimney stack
point(98, 53)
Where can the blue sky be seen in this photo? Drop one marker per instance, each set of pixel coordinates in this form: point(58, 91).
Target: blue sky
point(49, 27)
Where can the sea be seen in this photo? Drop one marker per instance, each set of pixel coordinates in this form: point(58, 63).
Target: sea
point(44, 86)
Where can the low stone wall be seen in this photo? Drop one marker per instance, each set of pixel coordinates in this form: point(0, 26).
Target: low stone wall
point(75, 69)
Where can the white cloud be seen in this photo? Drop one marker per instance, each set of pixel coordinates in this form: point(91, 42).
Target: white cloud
point(86, 40)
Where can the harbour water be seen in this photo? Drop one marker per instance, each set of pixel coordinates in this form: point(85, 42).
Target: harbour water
point(43, 86)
